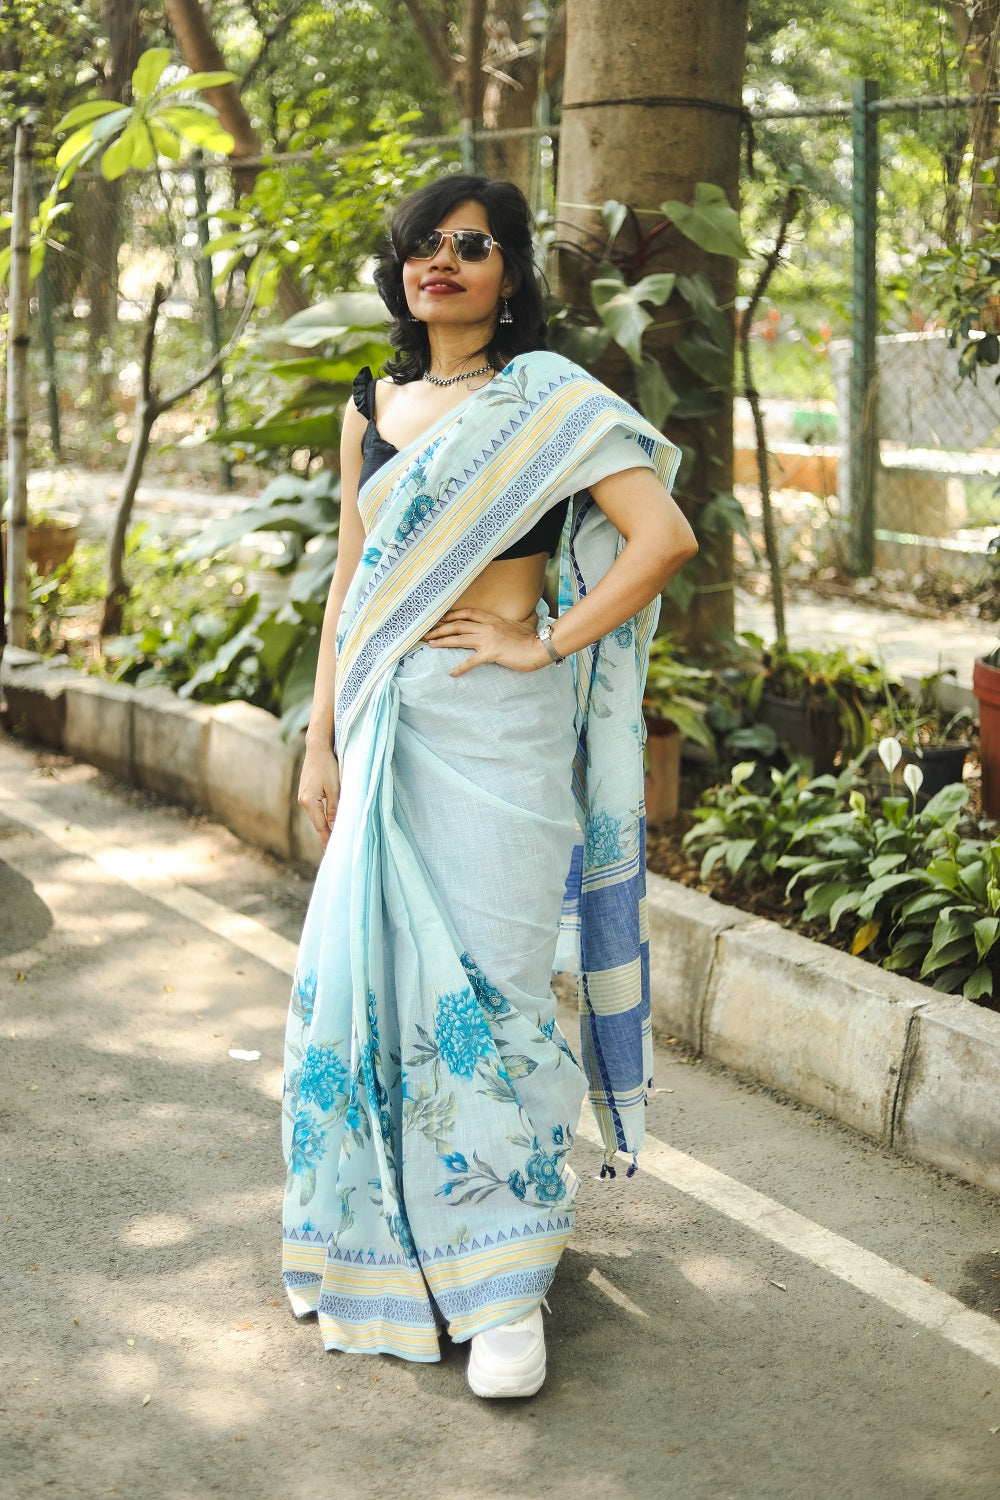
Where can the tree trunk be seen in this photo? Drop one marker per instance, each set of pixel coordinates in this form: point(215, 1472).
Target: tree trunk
point(201, 53)
point(99, 210)
point(651, 105)
point(977, 23)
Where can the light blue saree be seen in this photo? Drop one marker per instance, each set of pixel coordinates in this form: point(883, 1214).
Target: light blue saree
point(430, 1099)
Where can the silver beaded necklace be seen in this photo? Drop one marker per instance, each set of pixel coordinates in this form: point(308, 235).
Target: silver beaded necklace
point(454, 379)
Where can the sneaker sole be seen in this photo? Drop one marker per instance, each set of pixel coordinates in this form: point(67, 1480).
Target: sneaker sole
point(493, 1387)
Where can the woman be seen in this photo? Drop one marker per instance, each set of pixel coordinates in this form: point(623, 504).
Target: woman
point(430, 1099)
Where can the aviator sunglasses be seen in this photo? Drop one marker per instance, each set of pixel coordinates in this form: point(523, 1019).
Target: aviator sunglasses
point(470, 245)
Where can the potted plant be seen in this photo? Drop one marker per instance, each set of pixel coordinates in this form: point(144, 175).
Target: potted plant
point(986, 686)
point(52, 538)
point(674, 705)
point(931, 735)
point(817, 702)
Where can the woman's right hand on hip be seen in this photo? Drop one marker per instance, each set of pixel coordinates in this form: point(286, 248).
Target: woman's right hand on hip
point(319, 790)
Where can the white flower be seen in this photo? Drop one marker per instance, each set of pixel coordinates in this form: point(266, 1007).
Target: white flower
point(913, 777)
point(890, 753)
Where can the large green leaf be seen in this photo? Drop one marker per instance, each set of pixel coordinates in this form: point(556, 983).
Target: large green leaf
point(620, 308)
point(699, 294)
point(315, 431)
point(84, 113)
point(710, 221)
point(657, 397)
point(333, 317)
point(117, 157)
point(702, 354)
point(149, 70)
point(198, 81)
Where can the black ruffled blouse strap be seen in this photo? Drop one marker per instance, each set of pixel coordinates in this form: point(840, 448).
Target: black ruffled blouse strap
point(364, 393)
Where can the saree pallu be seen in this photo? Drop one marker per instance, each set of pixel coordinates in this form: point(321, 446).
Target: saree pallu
point(432, 1141)
point(430, 1100)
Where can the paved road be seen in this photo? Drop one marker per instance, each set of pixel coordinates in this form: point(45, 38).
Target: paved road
point(772, 1310)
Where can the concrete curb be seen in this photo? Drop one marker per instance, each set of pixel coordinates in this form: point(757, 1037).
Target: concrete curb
point(916, 1071)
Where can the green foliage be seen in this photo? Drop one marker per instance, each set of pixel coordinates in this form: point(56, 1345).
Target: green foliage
point(134, 135)
point(750, 831)
point(851, 684)
point(710, 221)
point(319, 220)
point(274, 652)
point(921, 895)
point(678, 692)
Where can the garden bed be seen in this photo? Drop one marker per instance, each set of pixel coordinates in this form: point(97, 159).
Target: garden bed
point(666, 856)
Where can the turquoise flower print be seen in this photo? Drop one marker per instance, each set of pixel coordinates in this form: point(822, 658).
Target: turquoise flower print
point(543, 1173)
point(623, 635)
point(398, 1226)
point(385, 1124)
point(603, 843)
point(324, 1076)
point(548, 1028)
point(370, 556)
point(374, 1087)
point(353, 1117)
point(308, 1143)
point(304, 997)
point(517, 1185)
point(418, 510)
point(455, 1162)
point(558, 1136)
point(487, 994)
point(461, 1032)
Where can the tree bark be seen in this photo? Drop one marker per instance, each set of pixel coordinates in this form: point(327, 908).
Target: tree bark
point(651, 105)
point(977, 23)
point(99, 209)
point(202, 54)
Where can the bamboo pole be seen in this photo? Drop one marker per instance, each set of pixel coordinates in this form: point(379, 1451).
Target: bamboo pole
point(17, 384)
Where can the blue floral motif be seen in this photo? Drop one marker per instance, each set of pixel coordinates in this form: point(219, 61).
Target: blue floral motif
point(353, 1117)
point(385, 1124)
point(418, 510)
point(548, 1028)
point(623, 635)
point(461, 1032)
point(305, 992)
point(603, 843)
point(558, 1137)
point(324, 1076)
point(374, 1087)
point(487, 994)
point(544, 1175)
point(455, 1162)
point(517, 1185)
point(370, 556)
point(398, 1226)
point(308, 1143)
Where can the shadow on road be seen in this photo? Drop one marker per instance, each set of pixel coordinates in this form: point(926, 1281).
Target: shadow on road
point(24, 917)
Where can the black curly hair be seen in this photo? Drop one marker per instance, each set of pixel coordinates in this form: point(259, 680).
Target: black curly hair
point(509, 218)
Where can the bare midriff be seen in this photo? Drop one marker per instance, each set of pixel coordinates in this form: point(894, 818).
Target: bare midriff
point(510, 589)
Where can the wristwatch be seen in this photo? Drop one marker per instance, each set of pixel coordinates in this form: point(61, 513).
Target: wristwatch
point(544, 634)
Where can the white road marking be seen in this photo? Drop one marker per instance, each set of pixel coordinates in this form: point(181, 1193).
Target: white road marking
point(619, 1298)
point(142, 873)
point(917, 1300)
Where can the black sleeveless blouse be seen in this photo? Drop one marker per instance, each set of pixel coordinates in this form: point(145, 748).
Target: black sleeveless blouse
point(375, 451)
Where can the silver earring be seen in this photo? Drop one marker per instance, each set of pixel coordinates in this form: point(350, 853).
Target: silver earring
point(411, 319)
point(506, 316)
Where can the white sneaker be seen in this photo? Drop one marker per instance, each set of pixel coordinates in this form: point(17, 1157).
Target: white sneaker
point(509, 1360)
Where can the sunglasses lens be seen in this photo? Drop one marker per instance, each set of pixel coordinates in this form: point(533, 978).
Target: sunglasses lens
point(472, 244)
point(426, 247)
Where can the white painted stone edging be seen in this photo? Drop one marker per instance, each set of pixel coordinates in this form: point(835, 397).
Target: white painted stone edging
point(916, 1071)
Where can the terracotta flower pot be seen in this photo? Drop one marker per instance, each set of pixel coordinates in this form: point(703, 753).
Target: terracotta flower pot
point(663, 774)
point(986, 686)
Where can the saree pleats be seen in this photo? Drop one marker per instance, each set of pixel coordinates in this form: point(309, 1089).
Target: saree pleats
point(430, 1098)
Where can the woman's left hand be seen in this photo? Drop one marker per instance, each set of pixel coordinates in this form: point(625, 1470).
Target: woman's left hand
point(509, 643)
